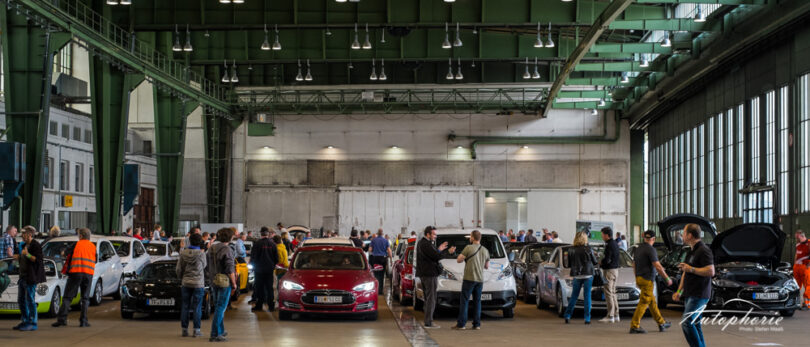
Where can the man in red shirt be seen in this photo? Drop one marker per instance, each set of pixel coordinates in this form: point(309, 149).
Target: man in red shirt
point(801, 263)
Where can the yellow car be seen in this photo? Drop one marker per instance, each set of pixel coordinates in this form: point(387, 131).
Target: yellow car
point(242, 275)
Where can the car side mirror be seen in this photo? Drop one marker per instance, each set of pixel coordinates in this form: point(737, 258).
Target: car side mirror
point(511, 256)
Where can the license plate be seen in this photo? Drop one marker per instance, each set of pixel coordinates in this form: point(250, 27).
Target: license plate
point(328, 299)
point(766, 296)
point(622, 296)
point(9, 306)
point(484, 297)
point(160, 302)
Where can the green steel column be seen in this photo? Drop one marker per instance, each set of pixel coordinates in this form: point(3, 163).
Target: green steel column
point(170, 139)
point(109, 94)
point(636, 183)
point(217, 137)
point(28, 68)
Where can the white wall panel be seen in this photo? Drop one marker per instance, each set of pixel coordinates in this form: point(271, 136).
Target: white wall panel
point(555, 210)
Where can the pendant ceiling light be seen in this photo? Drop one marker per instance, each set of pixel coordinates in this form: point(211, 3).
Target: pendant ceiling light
point(459, 75)
point(538, 42)
point(187, 47)
point(446, 44)
point(276, 43)
point(125, 2)
point(234, 77)
point(449, 69)
point(224, 1)
point(238, 1)
point(536, 74)
point(526, 74)
point(309, 72)
point(112, 2)
point(266, 43)
point(299, 77)
point(356, 43)
point(549, 43)
point(383, 77)
point(328, 32)
point(457, 42)
point(340, 0)
point(225, 78)
point(177, 47)
point(373, 76)
point(383, 36)
point(367, 43)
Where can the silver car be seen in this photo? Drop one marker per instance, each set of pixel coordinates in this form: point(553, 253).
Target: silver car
point(554, 283)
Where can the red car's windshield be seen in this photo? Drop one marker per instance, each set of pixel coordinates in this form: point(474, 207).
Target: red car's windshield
point(329, 260)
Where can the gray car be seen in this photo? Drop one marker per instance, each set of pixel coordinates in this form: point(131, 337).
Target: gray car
point(554, 283)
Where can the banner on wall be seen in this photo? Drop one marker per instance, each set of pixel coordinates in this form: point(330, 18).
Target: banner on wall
point(593, 228)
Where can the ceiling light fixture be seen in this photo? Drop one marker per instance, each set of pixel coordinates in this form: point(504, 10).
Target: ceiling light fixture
point(340, 0)
point(266, 43)
point(666, 42)
point(207, 34)
point(299, 76)
point(373, 76)
point(459, 76)
point(238, 1)
point(459, 146)
point(449, 69)
point(699, 16)
point(309, 73)
point(394, 147)
point(457, 42)
point(177, 47)
point(187, 47)
point(449, 0)
point(536, 74)
point(538, 42)
point(276, 43)
point(383, 77)
point(446, 44)
point(125, 2)
point(328, 32)
point(525, 147)
point(367, 43)
point(356, 43)
point(330, 147)
point(526, 74)
point(549, 43)
point(224, 1)
point(473, 63)
point(234, 78)
point(225, 78)
point(112, 2)
point(383, 36)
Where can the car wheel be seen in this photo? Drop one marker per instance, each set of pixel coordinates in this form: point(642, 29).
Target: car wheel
point(117, 294)
point(559, 304)
point(127, 315)
point(372, 316)
point(787, 313)
point(95, 300)
point(509, 312)
point(55, 301)
point(284, 315)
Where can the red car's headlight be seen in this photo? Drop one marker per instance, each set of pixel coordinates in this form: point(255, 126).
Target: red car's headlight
point(368, 286)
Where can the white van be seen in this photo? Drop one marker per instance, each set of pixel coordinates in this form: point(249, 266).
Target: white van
point(499, 292)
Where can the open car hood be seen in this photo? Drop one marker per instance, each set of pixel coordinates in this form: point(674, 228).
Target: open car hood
point(676, 222)
point(754, 242)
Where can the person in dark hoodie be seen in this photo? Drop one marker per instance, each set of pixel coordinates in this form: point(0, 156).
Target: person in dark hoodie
point(264, 256)
point(191, 270)
point(32, 273)
point(428, 270)
point(610, 268)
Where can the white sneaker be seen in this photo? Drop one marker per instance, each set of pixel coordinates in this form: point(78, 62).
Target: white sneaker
point(607, 319)
point(617, 319)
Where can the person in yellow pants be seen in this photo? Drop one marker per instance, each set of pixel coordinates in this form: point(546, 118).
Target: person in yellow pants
point(801, 263)
point(645, 265)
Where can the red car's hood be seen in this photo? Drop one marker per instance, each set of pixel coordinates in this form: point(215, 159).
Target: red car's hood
point(329, 279)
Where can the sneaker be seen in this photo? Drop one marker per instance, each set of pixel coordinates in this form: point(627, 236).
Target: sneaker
point(617, 319)
point(587, 322)
point(477, 328)
point(432, 326)
point(637, 331)
point(607, 320)
point(566, 321)
point(185, 333)
point(218, 339)
point(664, 327)
point(84, 325)
point(58, 324)
point(456, 327)
point(29, 327)
point(224, 334)
point(197, 333)
point(18, 326)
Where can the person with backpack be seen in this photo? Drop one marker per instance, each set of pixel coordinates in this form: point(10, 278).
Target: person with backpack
point(476, 259)
point(221, 266)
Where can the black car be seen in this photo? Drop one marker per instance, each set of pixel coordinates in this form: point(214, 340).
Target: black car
point(157, 290)
point(748, 272)
point(512, 250)
point(670, 233)
point(525, 264)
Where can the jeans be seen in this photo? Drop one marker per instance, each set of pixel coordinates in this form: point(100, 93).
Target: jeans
point(645, 300)
point(580, 284)
point(192, 303)
point(470, 289)
point(76, 282)
point(429, 285)
point(26, 294)
point(221, 298)
point(690, 323)
point(610, 292)
point(263, 289)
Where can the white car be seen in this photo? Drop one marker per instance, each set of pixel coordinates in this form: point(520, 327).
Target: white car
point(132, 253)
point(49, 293)
point(108, 274)
point(499, 292)
point(160, 250)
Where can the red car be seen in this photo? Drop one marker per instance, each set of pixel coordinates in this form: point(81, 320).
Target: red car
point(402, 278)
point(328, 280)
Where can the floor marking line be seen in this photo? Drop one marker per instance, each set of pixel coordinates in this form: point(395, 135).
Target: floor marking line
point(412, 329)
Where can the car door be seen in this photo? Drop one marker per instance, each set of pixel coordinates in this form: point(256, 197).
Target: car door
point(139, 256)
point(546, 278)
point(112, 267)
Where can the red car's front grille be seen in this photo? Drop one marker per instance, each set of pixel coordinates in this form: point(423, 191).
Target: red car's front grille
point(347, 298)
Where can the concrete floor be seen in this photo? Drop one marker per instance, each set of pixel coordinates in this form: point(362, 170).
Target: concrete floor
point(530, 326)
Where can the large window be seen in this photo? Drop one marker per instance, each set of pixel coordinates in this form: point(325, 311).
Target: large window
point(770, 137)
point(721, 144)
point(702, 169)
point(92, 186)
point(729, 179)
point(64, 175)
point(51, 169)
point(63, 61)
point(79, 186)
point(804, 138)
point(710, 163)
point(755, 144)
point(783, 191)
point(740, 167)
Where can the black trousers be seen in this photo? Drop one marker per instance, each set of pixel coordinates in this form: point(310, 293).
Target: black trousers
point(263, 288)
point(379, 275)
point(75, 282)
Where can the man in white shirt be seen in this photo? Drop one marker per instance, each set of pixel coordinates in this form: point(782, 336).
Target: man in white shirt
point(555, 237)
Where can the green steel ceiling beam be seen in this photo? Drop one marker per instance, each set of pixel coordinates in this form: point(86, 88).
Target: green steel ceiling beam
point(587, 104)
point(630, 66)
point(594, 81)
point(101, 34)
point(217, 134)
point(638, 47)
point(676, 24)
point(583, 94)
point(27, 55)
point(611, 12)
point(720, 2)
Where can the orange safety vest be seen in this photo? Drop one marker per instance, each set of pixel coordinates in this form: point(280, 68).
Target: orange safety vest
point(83, 259)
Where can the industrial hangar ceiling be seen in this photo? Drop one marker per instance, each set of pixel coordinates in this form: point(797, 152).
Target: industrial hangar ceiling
point(326, 56)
